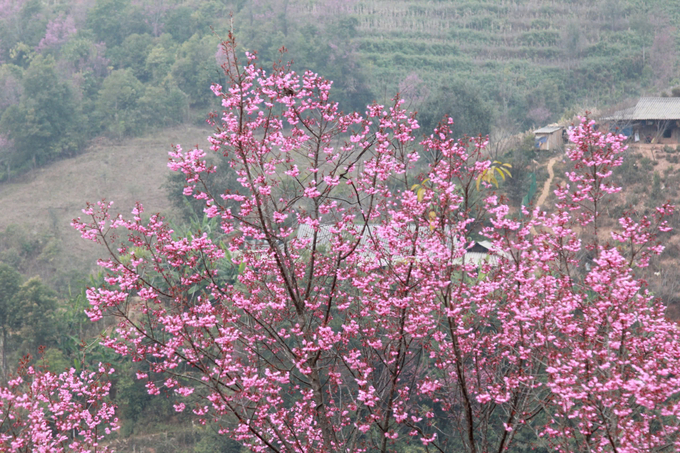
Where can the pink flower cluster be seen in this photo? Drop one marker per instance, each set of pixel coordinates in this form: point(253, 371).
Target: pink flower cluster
point(44, 412)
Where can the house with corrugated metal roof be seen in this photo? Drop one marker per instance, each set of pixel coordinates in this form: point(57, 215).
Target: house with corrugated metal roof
point(652, 120)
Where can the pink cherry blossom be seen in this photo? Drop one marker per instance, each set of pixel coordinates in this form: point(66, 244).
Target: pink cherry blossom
point(45, 412)
point(367, 320)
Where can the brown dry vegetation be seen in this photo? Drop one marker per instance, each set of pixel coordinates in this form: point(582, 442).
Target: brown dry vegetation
point(37, 210)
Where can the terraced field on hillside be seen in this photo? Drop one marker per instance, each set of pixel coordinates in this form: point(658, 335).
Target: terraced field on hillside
point(522, 55)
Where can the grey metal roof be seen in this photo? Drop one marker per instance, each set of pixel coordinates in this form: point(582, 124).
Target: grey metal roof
point(650, 109)
point(658, 109)
point(324, 235)
point(547, 130)
point(621, 115)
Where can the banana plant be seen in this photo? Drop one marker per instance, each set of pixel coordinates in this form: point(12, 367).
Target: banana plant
point(420, 191)
point(490, 174)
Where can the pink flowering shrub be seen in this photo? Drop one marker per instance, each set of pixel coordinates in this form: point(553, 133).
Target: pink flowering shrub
point(359, 321)
point(44, 412)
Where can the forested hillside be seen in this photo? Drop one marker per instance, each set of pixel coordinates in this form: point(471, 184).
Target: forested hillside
point(530, 60)
point(74, 70)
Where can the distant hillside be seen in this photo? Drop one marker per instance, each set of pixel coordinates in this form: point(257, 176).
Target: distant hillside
point(529, 60)
point(37, 209)
point(71, 71)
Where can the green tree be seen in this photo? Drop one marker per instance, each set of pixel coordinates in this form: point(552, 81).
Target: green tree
point(45, 123)
point(117, 105)
point(461, 100)
point(132, 54)
point(207, 14)
point(159, 60)
point(326, 45)
point(132, 397)
point(10, 85)
point(521, 157)
point(163, 105)
point(10, 282)
point(113, 20)
point(22, 26)
point(330, 51)
point(36, 306)
point(81, 54)
point(196, 68)
point(180, 23)
point(55, 359)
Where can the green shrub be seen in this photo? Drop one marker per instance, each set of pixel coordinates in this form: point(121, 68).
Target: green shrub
point(646, 164)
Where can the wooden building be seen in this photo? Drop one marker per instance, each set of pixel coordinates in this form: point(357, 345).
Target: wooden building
point(549, 137)
point(652, 120)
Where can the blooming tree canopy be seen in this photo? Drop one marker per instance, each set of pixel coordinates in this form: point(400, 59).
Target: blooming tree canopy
point(375, 328)
point(44, 412)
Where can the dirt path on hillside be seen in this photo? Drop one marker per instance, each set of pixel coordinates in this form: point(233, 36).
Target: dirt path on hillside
point(548, 182)
point(546, 185)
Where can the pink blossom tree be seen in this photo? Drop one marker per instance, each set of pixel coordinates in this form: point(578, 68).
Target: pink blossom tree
point(44, 412)
point(358, 319)
point(59, 30)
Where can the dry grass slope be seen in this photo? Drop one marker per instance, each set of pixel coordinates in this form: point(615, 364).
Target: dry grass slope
point(46, 200)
